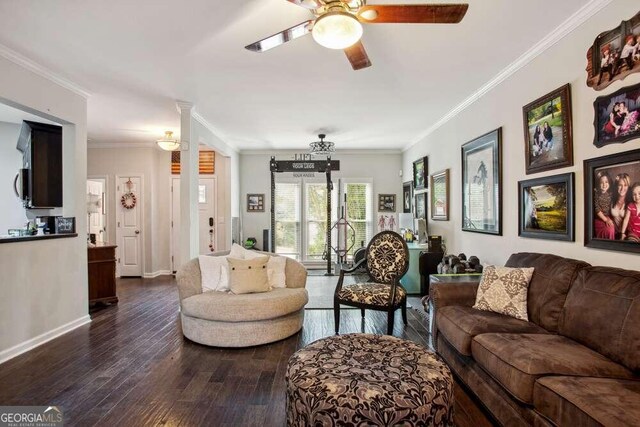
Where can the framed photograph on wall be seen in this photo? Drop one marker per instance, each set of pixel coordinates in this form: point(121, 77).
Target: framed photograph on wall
point(617, 116)
point(482, 184)
point(255, 202)
point(386, 202)
point(612, 202)
point(440, 195)
point(420, 173)
point(407, 196)
point(421, 205)
point(545, 207)
point(548, 136)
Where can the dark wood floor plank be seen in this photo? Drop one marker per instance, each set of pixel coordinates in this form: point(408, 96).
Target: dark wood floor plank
point(132, 366)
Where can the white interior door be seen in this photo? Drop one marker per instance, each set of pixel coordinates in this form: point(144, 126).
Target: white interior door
point(207, 215)
point(129, 226)
point(96, 189)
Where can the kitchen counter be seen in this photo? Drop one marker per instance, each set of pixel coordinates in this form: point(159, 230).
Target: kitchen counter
point(13, 239)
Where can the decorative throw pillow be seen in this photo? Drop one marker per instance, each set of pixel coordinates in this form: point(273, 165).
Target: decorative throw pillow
point(504, 290)
point(275, 268)
point(214, 273)
point(247, 276)
point(237, 251)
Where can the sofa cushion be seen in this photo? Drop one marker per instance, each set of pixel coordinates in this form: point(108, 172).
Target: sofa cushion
point(586, 401)
point(549, 285)
point(516, 361)
point(602, 311)
point(459, 324)
point(228, 307)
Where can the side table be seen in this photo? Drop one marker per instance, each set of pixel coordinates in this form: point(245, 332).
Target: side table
point(450, 278)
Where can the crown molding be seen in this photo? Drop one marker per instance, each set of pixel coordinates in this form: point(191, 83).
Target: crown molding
point(204, 122)
point(292, 151)
point(40, 70)
point(183, 105)
point(565, 28)
point(149, 144)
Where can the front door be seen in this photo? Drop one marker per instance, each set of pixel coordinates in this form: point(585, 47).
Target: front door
point(129, 225)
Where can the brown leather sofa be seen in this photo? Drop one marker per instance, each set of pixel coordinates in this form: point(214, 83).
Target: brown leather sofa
point(576, 362)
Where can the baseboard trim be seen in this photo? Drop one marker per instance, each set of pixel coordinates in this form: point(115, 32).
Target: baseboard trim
point(157, 273)
point(17, 350)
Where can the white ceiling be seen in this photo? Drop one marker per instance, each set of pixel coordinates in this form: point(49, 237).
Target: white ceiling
point(9, 114)
point(137, 58)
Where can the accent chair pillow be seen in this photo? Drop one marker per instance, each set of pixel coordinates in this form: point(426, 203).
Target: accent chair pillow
point(214, 273)
point(275, 268)
point(504, 290)
point(248, 276)
point(237, 251)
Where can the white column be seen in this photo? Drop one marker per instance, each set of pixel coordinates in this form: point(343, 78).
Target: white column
point(189, 171)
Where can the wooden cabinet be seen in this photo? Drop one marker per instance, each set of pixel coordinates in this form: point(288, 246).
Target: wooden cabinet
point(102, 273)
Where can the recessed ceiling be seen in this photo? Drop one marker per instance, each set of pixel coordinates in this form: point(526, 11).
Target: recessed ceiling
point(138, 57)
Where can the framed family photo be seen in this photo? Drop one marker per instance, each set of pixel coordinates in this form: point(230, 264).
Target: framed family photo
point(545, 207)
point(612, 202)
point(407, 196)
point(548, 136)
point(617, 116)
point(440, 195)
point(482, 184)
point(386, 202)
point(420, 173)
point(255, 202)
point(421, 205)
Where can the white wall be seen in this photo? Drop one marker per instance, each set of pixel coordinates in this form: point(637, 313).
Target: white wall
point(12, 214)
point(382, 167)
point(563, 63)
point(43, 286)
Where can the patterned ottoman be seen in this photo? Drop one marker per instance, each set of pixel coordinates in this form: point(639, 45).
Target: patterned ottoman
point(364, 379)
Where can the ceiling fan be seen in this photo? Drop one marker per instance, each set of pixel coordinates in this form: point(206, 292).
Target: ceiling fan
point(338, 24)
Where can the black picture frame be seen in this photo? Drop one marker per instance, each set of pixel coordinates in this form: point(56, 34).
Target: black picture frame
point(439, 191)
point(65, 225)
point(482, 184)
point(623, 169)
point(255, 202)
point(386, 202)
point(552, 113)
point(545, 202)
point(607, 115)
point(420, 173)
point(407, 196)
point(421, 205)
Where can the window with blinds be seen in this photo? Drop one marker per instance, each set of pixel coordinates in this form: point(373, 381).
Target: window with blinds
point(316, 219)
point(358, 212)
point(287, 218)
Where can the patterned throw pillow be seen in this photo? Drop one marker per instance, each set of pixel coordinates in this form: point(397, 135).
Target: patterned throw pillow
point(504, 290)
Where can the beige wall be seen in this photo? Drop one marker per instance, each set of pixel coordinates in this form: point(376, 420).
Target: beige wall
point(563, 63)
point(43, 285)
point(383, 168)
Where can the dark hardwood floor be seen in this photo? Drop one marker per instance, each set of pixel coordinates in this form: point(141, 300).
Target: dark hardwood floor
point(131, 366)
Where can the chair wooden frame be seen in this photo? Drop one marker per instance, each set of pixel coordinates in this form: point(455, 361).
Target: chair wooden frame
point(390, 307)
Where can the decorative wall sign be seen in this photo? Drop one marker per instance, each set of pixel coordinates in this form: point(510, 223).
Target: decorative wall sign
point(612, 202)
point(545, 207)
point(420, 173)
point(482, 184)
point(407, 196)
point(617, 116)
point(206, 162)
point(255, 202)
point(65, 225)
point(440, 195)
point(386, 202)
point(547, 131)
point(614, 54)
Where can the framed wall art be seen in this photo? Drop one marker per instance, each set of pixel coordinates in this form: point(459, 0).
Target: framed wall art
point(421, 205)
point(545, 207)
point(617, 116)
point(482, 184)
point(548, 136)
point(386, 202)
point(255, 202)
point(612, 202)
point(407, 196)
point(440, 195)
point(420, 173)
point(614, 54)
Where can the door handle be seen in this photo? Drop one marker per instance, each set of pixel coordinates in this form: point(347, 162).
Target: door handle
point(137, 231)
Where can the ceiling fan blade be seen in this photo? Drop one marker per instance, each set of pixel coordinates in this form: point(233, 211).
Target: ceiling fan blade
point(307, 4)
point(282, 37)
point(412, 13)
point(357, 56)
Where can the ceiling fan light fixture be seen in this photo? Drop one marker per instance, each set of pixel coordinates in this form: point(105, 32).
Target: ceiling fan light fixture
point(337, 30)
point(168, 143)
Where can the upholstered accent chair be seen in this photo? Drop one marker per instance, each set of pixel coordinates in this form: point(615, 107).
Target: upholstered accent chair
point(387, 261)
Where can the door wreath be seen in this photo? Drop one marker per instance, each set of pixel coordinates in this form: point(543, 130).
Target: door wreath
point(128, 200)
